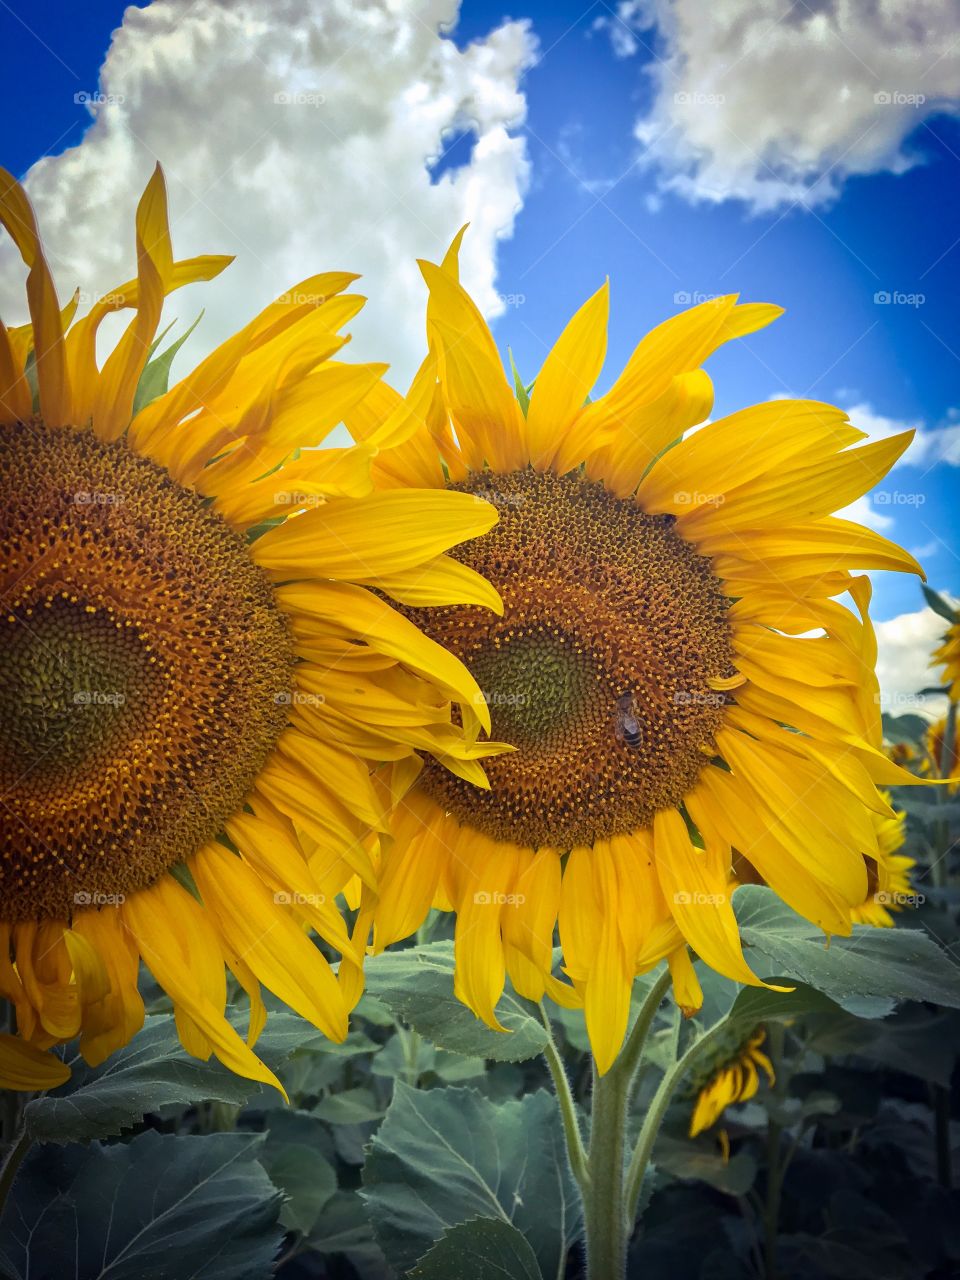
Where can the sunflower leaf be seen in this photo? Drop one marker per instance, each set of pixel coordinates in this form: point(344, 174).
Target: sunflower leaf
point(155, 378)
point(937, 603)
point(478, 1249)
point(149, 1073)
point(416, 984)
point(443, 1157)
point(901, 963)
point(159, 1206)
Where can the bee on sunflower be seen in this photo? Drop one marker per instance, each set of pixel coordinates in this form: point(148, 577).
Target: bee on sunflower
point(673, 661)
point(200, 669)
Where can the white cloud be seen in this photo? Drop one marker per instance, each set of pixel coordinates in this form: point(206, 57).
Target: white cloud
point(930, 445)
point(904, 645)
point(336, 176)
point(782, 102)
point(623, 24)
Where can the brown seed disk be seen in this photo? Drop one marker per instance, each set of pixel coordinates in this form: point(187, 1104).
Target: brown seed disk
point(601, 601)
point(145, 671)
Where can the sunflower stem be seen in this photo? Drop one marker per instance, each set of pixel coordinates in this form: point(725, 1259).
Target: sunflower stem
point(603, 1200)
point(652, 1121)
point(608, 1225)
point(576, 1152)
point(11, 1164)
point(940, 868)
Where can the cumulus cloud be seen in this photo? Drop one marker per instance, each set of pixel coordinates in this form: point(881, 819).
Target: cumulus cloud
point(930, 445)
point(298, 135)
point(904, 646)
point(780, 103)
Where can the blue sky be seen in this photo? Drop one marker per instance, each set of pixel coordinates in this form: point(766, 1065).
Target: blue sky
point(592, 210)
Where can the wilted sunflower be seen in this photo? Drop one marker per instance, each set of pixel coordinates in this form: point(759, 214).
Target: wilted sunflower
point(890, 885)
point(735, 1078)
point(672, 662)
point(192, 675)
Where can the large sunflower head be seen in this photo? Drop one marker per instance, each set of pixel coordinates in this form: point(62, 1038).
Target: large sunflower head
point(673, 662)
point(200, 669)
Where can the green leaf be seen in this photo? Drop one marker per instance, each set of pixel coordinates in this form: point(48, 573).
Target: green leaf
point(293, 1158)
point(686, 1159)
point(523, 396)
point(905, 728)
point(150, 1072)
point(938, 604)
point(416, 984)
point(352, 1106)
point(445, 1156)
point(935, 810)
point(754, 1005)
point(344, 1228)
point(158, 1207)
point(905, 964)
point(914, 1042)
point(155, 378)
point(478, 1250)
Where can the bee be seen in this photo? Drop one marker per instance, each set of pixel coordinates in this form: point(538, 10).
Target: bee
point(628, 726)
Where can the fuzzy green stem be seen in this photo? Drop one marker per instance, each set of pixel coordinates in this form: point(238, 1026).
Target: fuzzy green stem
point(11, 1164)
point(608, 1226)
point(654, 1117)
point(576, 1153)
point(776, 1164)
point(603, 1203)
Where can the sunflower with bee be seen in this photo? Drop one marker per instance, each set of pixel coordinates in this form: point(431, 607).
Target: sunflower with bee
point(673, 663)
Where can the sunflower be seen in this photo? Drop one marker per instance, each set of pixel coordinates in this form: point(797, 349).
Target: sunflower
point(735, 1078)
point(890, 885)
point(672, 662)
point(948, 657)
point(197, 672)
point(937, 765)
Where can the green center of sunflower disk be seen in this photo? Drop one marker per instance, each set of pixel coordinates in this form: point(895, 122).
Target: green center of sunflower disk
point(146, 671)
point(599, 670)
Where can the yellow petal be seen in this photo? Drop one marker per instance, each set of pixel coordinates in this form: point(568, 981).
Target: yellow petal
point(567, 378)
point(269, 940)
point(16, 214)
point(113, 401)
point(25, 1067)
point(696, 886)
point(386, 533)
